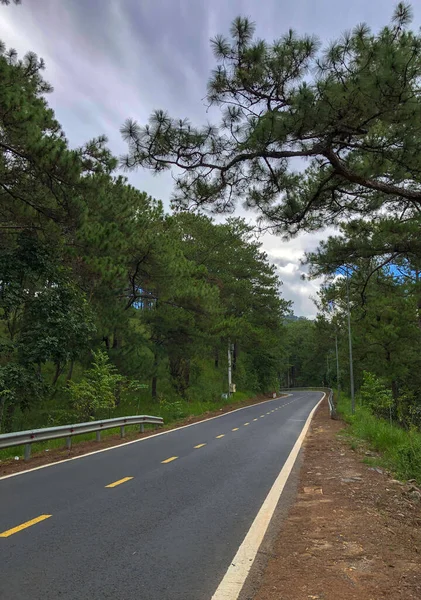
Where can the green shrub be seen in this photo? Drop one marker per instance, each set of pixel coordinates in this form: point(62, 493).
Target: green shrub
point(408, 408)
point(375, 395)
point(97, 390)
point(172, 411)
point(408, 457)
point(400, 449)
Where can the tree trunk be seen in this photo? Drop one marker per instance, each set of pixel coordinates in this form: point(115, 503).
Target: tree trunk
point(395, 390)
point(118, 393)
point(155, 377)
point(154, 386)
point(216, 358)
point(180, 374)
point(115, 340)
point(70, 372)
point(57, 374)
point(106, 340)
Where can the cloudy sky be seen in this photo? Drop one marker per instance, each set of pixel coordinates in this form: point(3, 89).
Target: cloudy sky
point(113, 59)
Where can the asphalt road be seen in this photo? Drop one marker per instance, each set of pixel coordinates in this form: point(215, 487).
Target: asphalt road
point(169, 532)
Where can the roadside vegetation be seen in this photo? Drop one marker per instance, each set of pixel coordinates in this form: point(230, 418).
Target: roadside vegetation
point(351, 110)
point(110, 305)
point(397, 449)
point(173, 413)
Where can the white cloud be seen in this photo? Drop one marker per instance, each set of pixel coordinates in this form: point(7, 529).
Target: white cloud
point(289, 268)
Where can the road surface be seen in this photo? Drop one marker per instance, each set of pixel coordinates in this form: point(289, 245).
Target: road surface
point(159, 519)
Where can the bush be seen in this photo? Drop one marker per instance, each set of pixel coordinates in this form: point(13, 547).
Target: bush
point(400, 449)
point(97, 390)
point(408, 457)
point(408, 408)
point(376, 396)
point(171, 411)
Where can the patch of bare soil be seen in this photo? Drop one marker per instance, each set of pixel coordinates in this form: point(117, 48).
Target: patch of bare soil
point(79, 448)
point(352, 533)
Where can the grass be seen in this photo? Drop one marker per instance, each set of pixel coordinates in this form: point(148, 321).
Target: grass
point(399, 449)
point(171, 412)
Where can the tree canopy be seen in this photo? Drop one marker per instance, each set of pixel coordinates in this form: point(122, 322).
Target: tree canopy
point(350, 111)
point(102, 293)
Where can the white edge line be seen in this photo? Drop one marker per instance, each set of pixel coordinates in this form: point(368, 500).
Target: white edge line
point(236, 575)
point(60, 462)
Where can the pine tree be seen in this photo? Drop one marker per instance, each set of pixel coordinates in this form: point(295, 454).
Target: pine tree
point(352, 111)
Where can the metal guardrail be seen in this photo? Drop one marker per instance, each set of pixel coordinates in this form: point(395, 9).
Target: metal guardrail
point(329, 391)
point(29, 437)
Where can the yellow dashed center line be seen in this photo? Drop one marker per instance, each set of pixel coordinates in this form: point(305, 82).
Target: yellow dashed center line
point(200, 445)
point(168, 460)
point(268, 413)
point(119, 482)
point(9, 532)
point(261, 416)
point(219, 436)
point(254, 419)
point(246, 424)
point(235, 429)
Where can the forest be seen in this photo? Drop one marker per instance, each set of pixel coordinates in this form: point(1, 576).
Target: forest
point(110, 304)
point(320, 138)
point(105, 298)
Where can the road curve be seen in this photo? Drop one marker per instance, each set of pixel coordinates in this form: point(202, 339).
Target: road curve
point(160, 519)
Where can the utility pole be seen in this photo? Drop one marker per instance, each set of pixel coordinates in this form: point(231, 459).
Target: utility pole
point(351, 364)
point(337, 366)
point(229, 369)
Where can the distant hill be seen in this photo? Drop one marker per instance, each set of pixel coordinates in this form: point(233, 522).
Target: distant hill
point(296, 318)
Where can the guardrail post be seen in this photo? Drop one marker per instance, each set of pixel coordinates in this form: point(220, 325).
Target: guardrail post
point(27, 452)
point(69, 442)
point(142, 428)
point(98, 436)
point(122, 432)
